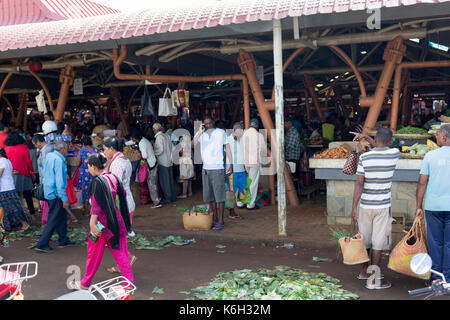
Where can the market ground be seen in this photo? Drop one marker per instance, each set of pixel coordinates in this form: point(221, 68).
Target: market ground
point(251, 243)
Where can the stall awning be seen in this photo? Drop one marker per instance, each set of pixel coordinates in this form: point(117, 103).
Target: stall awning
point(161, 20)
point(18, 12)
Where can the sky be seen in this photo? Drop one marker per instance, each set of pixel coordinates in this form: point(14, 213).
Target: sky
point(136, 5)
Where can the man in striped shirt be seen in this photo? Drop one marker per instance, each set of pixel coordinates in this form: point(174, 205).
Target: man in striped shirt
point(373, 193)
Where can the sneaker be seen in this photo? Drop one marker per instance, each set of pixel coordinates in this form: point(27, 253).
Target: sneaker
point(45, 249)
point(159, 205)
point(67, 244)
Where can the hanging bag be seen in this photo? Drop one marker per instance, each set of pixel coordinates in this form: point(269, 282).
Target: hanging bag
point(351, 165)
point(165, 108)
point(146, 103)
point(186, 168)
point(412, 243)
point(142, 171)
point(353, 248)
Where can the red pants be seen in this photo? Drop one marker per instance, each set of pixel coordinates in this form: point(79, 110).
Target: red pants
point(95, 255)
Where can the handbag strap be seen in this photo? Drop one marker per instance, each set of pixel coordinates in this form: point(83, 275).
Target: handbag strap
point(146, 92)
point(167, 93)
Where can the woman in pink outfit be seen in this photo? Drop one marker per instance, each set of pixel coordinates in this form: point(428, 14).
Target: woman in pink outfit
point(104, 191)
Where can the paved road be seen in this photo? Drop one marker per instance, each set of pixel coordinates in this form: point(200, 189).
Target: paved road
point(182, 268)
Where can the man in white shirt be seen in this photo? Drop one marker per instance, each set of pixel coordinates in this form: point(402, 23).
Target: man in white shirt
point(254, 147)
point(212, 141)
point(147, 153)
point(163, 151)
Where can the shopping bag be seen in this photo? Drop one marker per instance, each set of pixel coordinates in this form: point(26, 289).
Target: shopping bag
point(146, 104)
point(142, 171)
point(40, 102)
point(70, 192)
point(180, 98)
point(353, 249)
point(165, 107)
point(351, 165)
point(248, 197)
point(186, 168)
point(412, 243)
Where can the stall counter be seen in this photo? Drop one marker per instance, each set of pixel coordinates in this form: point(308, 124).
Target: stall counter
point(340, 188)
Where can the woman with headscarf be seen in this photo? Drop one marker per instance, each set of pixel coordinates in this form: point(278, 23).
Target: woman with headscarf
point(108, 207)
point(121, 167)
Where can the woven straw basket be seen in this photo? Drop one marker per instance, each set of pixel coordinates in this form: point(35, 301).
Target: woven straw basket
point(412, 136)
point(197, 221)
point(353, 250)
point(412, 243)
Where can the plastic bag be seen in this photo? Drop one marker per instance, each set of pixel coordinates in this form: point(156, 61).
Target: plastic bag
point(146, 103)
point(142, 171)
point(165, 107)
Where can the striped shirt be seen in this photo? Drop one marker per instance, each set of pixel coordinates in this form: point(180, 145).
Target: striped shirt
point(377, 167)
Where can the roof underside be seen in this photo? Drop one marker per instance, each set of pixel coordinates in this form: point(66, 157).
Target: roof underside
point(135, 25)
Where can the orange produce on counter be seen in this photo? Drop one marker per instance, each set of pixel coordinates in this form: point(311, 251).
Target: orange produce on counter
point(333, 153)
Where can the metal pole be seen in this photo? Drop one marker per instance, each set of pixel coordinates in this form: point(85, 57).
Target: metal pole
point(279, 124)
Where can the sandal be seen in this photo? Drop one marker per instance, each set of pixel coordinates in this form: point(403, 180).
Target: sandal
point(113, 270)
point(22, 230)
point(132, 260)
point(359, 277)
point(218, 227)
point(237, 216)
point(381, 285)
point(76, 285)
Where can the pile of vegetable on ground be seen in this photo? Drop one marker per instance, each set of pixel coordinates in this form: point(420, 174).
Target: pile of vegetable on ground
point(78, 236)
point(281, 283)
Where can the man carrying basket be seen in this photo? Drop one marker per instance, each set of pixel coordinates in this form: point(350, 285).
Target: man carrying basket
point(434, 185)
point(373, 188)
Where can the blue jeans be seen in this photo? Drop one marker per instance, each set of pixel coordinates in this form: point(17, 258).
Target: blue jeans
point(438, 241)
point(57, 220)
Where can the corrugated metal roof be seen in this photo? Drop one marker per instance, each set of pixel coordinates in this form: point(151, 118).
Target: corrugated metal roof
point(17, 12)
point(161, 20)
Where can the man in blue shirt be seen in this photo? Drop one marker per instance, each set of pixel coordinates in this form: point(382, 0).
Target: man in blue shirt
point(54, 171)
point(435, 180)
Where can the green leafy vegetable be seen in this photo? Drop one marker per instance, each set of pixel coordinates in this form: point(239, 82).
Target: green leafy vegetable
point(158, 290)
point(280, 283)
point(411, 130)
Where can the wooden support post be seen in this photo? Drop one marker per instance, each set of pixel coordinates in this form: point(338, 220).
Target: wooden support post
point(66, 79)
point(115, 95)
point(309, 84)
point(308, 108)
point(5, 81)
point(393, 55)
point(10, 108)
point(23, 99)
